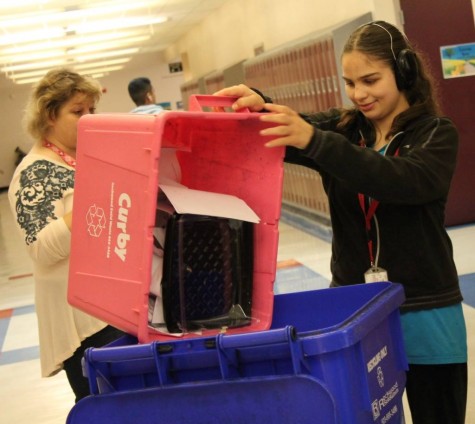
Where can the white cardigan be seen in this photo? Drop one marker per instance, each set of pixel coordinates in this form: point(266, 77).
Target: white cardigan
point(40, 193)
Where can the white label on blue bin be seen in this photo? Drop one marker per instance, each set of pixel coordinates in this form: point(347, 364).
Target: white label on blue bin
point(376, 359)
point(382, 402)
point(384, 379)
point(394, 412)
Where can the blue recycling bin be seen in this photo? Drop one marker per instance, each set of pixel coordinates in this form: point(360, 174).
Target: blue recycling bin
point(332, 356)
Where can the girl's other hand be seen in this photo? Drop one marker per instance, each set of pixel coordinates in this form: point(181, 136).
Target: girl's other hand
point(289, 130)
point(247, 98)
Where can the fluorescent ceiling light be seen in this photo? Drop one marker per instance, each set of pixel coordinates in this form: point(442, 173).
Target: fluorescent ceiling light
point(107, 46)
point(101, 55)
point(31, 57)
point(78, 35)
point(46, 16)
point(34, 65)
point(27, 80)
point(103, 69)
point(87, 48)
point(95, 73)
point(64, 61)
point(90, 27)
point(22, 3)
point(72, 41)
point(29, 36)
point(82, 66)
point(113, 24)
point(29, 74)
point(102, 63)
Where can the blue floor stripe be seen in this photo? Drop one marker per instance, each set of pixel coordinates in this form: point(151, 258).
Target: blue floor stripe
point(16, 355)
point(19, 355)
point(22, 310)
point(288, 280)
point(467, 285)
point(3, 331)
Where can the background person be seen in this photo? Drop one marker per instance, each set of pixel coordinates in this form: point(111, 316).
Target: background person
point(41, 199)
point(142, 94)
point(386, 165)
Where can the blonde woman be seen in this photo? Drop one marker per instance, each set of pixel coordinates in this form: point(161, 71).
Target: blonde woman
point(41, 198)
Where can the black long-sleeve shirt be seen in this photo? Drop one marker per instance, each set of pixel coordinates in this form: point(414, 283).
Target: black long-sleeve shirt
point(411, 182)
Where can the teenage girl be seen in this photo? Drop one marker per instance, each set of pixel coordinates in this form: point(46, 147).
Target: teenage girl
point(386, 165)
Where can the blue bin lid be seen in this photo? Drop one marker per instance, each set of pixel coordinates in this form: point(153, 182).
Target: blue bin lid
point(296, 399)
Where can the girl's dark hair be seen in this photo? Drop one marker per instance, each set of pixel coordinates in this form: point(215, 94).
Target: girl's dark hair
point(383, 41)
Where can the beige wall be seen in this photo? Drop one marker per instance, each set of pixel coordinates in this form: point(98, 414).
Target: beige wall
point(167, 85)
point(230, 34)
point(13, 99)
point(223, 39)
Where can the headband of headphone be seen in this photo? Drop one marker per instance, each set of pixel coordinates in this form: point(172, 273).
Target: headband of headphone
point(405, 62)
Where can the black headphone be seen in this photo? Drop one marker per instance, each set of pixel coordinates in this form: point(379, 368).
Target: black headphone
point(405, 64)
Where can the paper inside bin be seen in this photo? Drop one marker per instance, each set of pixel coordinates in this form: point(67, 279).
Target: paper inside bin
point(179, 198)
point(197, 202)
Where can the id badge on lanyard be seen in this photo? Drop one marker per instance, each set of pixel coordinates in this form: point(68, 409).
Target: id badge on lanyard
point(375, 273)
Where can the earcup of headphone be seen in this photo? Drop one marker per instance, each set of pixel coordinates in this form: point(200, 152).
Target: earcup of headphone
point(406, 69)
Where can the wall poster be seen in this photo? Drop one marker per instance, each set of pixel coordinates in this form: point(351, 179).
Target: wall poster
point(458, 60)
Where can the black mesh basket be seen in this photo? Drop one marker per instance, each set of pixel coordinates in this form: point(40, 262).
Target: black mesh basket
point(207, 273)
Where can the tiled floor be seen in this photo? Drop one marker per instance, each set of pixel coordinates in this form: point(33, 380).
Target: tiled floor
point(26, 398)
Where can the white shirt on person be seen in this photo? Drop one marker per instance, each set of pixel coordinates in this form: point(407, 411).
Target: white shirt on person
point(148, 109)
point(40, 193)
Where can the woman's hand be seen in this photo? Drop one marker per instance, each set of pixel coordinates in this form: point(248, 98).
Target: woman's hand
point(247, 98)
point(290, 129)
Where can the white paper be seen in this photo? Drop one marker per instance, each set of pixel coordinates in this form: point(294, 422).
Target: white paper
point(186, 200)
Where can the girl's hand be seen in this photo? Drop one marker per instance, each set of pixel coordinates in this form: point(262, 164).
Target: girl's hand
point(291, 129)
point(247, 98)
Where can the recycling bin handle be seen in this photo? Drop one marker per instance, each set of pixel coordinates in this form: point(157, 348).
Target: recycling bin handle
point(229, 345)
point(196, 102)
point(287, 334)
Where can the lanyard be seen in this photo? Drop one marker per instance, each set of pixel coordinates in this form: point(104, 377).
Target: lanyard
point(368, 215)
point(66, 158)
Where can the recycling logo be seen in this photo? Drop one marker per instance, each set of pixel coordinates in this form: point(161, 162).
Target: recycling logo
point(380, 377)
point(96, 220)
